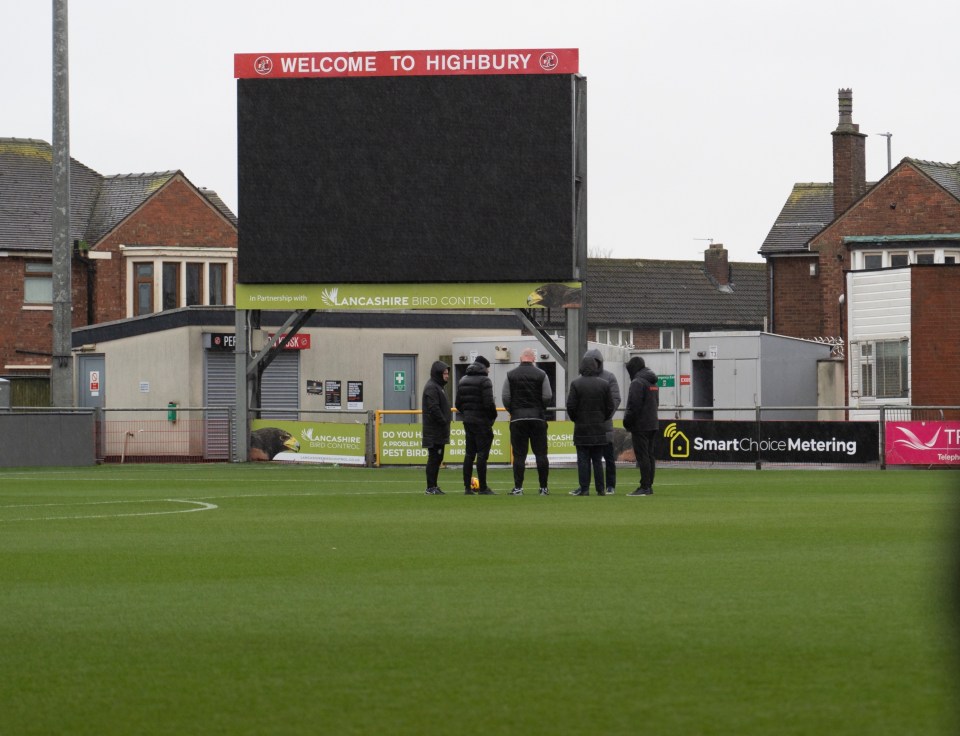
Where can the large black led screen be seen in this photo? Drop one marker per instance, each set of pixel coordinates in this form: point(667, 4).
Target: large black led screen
point(406, 179)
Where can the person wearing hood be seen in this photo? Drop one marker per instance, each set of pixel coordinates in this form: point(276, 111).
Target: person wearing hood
point(435, 407)
point(640, 419)
point(478, 410)
point(609, 454)
point(590, 405)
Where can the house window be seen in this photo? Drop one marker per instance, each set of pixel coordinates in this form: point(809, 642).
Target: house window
point(899, 259)
point(159, 280)
point(873, 260)
point(883, 369)
point(171, 285)
point(194, 284)
point(142, 289)
point(671, 339)
point(926, 257)
point(615, 336)
point(950, 257)
point(38, 283)
point(218, 283)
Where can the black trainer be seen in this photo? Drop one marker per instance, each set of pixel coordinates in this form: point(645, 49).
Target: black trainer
point(469, 492)
point(642, 492)
point(579, 492)
point(486, 491)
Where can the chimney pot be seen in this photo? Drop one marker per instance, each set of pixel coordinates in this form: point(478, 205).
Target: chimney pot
point(849, 157)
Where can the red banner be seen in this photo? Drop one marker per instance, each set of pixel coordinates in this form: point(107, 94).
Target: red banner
point(406, 63)
point(922, 443)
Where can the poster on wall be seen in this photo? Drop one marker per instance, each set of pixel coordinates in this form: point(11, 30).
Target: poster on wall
point(355, 395)
point(331, 394)
point(922, 443)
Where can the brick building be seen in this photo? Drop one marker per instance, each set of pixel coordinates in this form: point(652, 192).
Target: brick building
point(655, 305)
point(909, 220)
point(143, 243)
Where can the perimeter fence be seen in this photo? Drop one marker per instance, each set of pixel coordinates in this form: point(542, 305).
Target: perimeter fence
point(925, 436)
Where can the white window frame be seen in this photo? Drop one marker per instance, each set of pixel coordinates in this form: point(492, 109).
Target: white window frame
point(182, 256)
point(624, 336)
point(868, 360)
point(940, 256)
point(39, 274)
point(674, 336)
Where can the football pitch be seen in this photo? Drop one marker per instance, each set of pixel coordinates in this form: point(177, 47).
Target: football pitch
point(287, 599)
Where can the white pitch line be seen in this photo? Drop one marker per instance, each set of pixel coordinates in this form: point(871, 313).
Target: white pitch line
point(201, 506)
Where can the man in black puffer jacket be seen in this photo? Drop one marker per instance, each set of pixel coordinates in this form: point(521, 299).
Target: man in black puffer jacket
point(526, 393)
point(478, 411)
point(435, 407)
point(590, 405)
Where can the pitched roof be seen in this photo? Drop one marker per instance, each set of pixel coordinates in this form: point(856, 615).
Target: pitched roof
point(97, 203)
point(642, 292)
point(946, 175)
point(26, 195)
point(808, 210)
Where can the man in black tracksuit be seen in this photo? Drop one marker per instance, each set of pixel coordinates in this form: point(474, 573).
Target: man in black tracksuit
point(641, 420)
point(526, 394)
point(478, 411)
point(435, 407)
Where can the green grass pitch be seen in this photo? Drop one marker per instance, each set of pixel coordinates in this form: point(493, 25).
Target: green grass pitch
point(277, 599)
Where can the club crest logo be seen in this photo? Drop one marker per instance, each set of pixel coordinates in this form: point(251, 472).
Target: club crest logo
point(263, 65)
point(549, 61)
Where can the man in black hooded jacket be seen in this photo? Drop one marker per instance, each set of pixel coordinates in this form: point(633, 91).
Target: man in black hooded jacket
point(478, 411)
point(641, 419)
point(435, 407)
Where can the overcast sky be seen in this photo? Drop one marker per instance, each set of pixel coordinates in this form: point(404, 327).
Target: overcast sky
point(702, 114)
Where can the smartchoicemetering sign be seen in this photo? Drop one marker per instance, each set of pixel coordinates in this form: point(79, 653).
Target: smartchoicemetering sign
point(770, 442)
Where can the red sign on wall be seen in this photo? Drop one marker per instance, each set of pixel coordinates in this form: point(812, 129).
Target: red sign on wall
point(300, 341)
point(406, 63)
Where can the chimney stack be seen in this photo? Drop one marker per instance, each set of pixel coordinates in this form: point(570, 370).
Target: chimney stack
point(849, 157)
point(715, 260)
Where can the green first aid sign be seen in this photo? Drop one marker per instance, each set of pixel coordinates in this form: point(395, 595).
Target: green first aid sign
point(399, 380)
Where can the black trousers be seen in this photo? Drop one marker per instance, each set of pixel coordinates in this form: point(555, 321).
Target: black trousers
point(610, 463)
point(532, 433)
point(479, 440)
point(645, 448)
point(434, 461)
point(590, 456)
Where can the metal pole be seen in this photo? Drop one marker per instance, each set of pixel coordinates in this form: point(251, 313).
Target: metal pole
point(888, 136)
point(61, 366)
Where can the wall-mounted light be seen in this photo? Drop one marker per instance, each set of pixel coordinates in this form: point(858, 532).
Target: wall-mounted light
point(813, 269)
point(462, 358)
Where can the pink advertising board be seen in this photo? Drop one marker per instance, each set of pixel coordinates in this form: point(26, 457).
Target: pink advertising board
point(922, 443)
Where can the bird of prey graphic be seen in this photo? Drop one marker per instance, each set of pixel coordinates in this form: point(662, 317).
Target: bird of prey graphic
point(266, 443)
point(551, 296)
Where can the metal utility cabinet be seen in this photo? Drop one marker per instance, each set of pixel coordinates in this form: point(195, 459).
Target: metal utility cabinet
point(734, 372)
